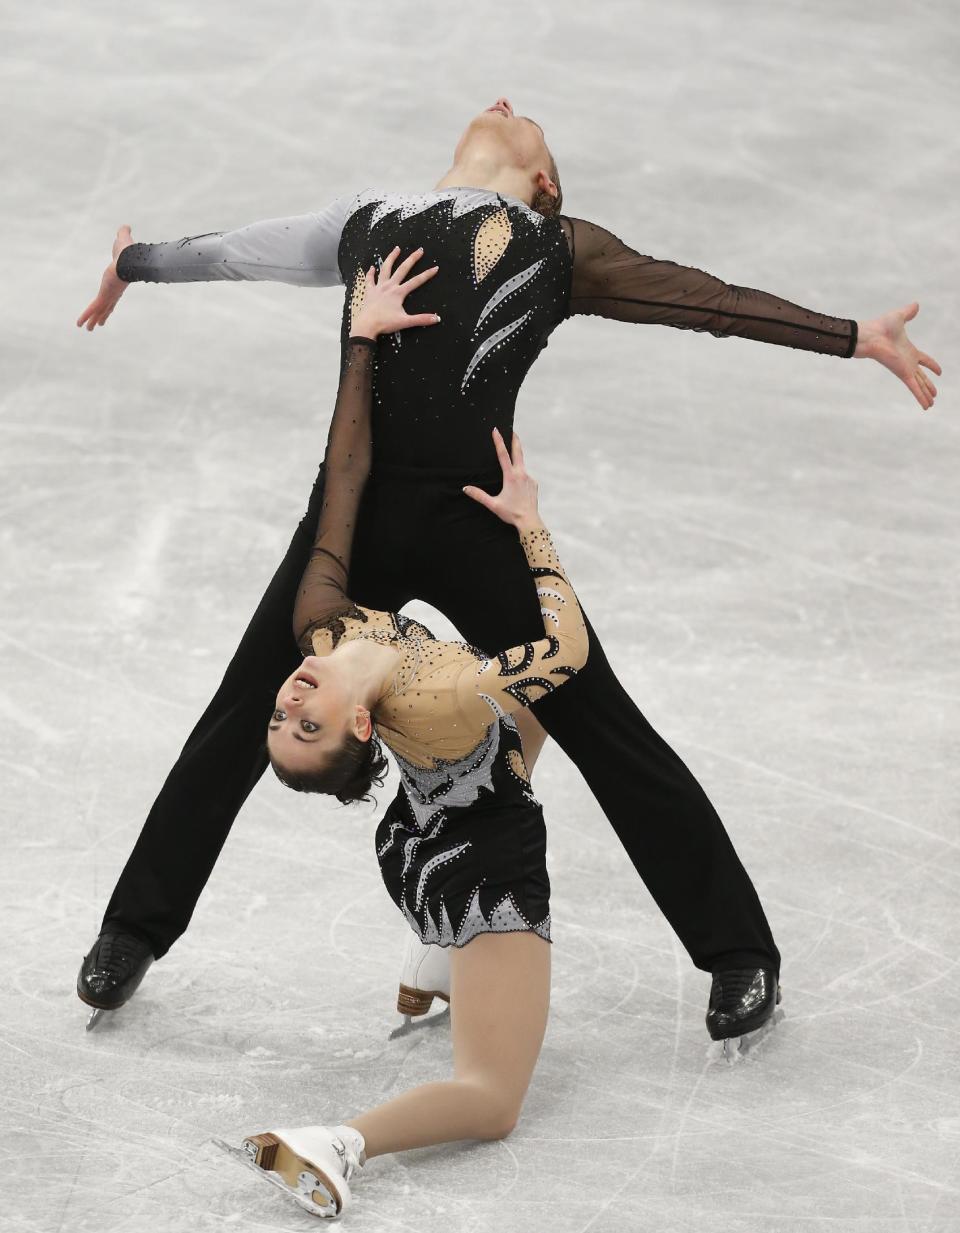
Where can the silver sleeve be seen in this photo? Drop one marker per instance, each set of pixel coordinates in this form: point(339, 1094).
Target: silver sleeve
point(301, 250)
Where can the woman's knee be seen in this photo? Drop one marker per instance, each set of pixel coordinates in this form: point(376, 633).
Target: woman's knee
point(497, 1112)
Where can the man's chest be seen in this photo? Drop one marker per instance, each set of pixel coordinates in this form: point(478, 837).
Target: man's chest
point(491, 255)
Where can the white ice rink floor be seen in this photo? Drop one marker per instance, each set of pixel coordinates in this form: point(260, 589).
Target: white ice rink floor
point(766, 541)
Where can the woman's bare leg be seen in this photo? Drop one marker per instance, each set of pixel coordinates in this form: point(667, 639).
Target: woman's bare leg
point(499, 999)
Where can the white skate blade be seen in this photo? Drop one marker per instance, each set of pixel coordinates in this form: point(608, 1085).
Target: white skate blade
point(96, 1014)
point(735, 1049)
point(411, 1024)
point(328, 1212)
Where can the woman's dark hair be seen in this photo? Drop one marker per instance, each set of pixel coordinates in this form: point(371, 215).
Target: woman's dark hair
point(542, 202)
point(349, 773)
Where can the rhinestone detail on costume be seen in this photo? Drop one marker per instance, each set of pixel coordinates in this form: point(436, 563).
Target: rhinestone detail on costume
point(490, 344)
point(490, 243)
point(507, 288)
point(442, 858)
point(357, 293)
point(449, 784)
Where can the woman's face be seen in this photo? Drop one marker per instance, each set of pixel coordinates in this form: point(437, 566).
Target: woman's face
point(315, 709)
point(519, 135)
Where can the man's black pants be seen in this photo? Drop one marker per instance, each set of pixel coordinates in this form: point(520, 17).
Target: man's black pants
point(419, 537)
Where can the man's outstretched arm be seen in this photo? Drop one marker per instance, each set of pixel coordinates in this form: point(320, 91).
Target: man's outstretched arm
point(301, 250)
point(611, 279)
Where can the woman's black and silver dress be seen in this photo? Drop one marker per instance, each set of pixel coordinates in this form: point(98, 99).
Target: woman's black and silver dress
point(462, 849)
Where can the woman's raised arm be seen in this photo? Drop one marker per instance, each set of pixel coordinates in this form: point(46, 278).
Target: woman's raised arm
point(323, 589)
point(322, 593)
point(521, 675)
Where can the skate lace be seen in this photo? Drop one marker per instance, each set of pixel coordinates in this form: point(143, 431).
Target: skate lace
point(349, 1158)
point(350, 1151)
point(115, 955)
point(734, 985)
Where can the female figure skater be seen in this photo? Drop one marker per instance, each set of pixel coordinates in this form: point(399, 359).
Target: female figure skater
point(467, 853)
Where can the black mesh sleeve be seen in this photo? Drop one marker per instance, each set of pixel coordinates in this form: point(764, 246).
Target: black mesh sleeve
point(322, 594)
point(612, 280)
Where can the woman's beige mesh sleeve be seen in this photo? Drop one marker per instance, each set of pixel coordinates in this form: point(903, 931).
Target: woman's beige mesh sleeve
point(523, 674)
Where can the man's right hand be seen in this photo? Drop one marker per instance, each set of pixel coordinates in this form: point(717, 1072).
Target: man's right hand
point(112, 287)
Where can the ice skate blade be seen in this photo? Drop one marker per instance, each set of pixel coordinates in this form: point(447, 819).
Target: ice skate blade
point(96, 1014)
point(736, 1049)
point(314, 1192)
point(415, 1025)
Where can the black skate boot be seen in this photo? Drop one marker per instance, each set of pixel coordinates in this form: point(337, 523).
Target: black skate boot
point(742, 1000)
point(111, 973)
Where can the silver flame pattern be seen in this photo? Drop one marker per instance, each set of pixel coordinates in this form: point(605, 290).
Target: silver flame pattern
point(488, 344)
point(506, 288)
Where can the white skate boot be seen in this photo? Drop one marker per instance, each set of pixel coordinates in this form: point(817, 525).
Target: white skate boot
point(424, 975)
point(312, 1164)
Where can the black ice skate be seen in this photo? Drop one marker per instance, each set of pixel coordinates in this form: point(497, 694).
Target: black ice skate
point(742, 1000)
point(110, 974)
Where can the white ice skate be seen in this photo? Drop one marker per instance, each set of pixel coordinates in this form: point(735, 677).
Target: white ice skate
point(424, 975)
point(312, 1164)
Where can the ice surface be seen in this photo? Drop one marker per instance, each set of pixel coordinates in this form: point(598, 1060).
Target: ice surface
point(766, 540)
